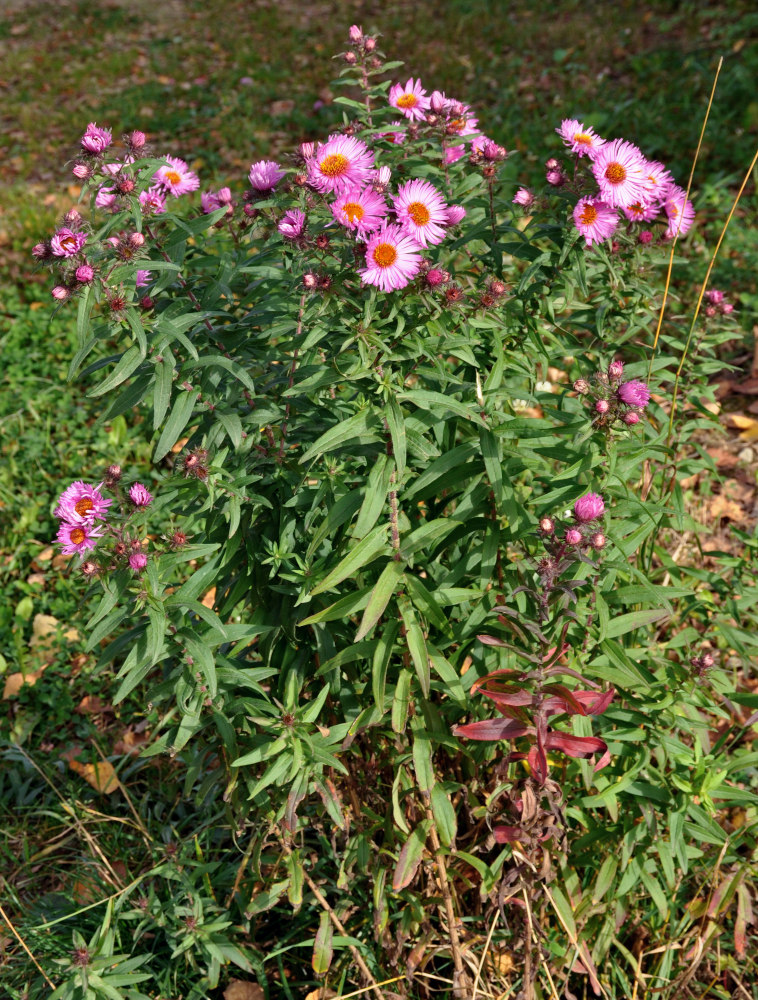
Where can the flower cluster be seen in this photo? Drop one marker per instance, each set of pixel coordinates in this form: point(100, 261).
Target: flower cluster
point(615, 399)
point(716, 303)
point(81, 505)
point(583, 532)
point(642, 190)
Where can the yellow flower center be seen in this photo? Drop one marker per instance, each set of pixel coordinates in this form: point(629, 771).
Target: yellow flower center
point(78, 535)
point(457, 124)
point(68, 243)
point(583, 138)
point(588, 215)
point(407, 101)
point(334, 165)
point(385, 255)
point(83, 506)
point(419, 213)
point(353, 211)
point(636, 208)
point(172, 176)
point(615, 173)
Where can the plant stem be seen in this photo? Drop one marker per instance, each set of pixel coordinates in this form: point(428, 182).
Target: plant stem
point(280, 457)
point(455, 943)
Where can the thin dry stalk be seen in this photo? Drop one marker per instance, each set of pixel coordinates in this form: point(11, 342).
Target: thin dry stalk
point(674, 394)
point(26, 948)
point(452, 929)
point(528, 983)
point(140, 825)
point(338, 925)
point(365, 989)
point(484, 954)
point(676, 234)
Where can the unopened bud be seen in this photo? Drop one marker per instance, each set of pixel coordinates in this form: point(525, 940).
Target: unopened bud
point(615, 369)
point(350, 58)
point(137, 239)
point(356, 34)
point(574, 536)
point(554, 177)
point(581, 386)
point(547, 525)
point(631, 418)
point(369, 44)
point(597, 541)
point(602, 406)
point(137, 139)
point(307, 149)
point(310, 280)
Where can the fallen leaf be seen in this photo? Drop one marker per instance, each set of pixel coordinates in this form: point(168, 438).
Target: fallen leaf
point(130, 743)
point(14, 682)
point(101, 775)
point(35, 578)
point(179, 445)
point(722, 506)
point(322, 993)
point(501, 962)
point(92, 704)
point(239, 989)
point(43, 627)
point(209, 599)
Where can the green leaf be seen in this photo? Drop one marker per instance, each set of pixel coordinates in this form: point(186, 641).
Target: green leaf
point(444, 816)
point(366, 550)
point(492, 463)
point(364, 425)
point(164, 377)
point(400, 701)
point(422, 755)
point(181, 413)
point(130, 361)
point(394, 417)
point(410, 856)
point(323, 949)
point(441, 405)
point(386, 585)
point(622, 624)
point(377, 487)
point(605, 878)
point(416, 644)
point(382, 656)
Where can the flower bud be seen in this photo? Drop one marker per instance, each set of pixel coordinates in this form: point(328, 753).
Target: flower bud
point(140, 495)
point(589, 507)
point(369, 44)
point(146, 302)
point(89, 569)
point(307, 149)
point(178, 539)
point(552, 164)
point(615, 369)
point(455, 214)
point(523, 197)
point(41, 251)
point(634, 393)
point(136, 139)
point(597, 541)
point(581, 386)
point(497, 288)
point(350, 58)
point(707, 659)
point(81, 171)
point(436, 276)
point(727, 308)
point(710, 311)
point(631, 418)
point(356, 34)
point(715, 296)
point(602, 406)
point(645, 237)
point(138, 561)
point(438, 101)
point(574, 536)
point(310, 280)
point(547, 525)
point(112, 476)
point(137, 239)
point(60, 292)
point(84, 274)
point(554, 177)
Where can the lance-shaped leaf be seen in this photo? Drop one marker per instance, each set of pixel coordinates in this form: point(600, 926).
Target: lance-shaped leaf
point(492, 729)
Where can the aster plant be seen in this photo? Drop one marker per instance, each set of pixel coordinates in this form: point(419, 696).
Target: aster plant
point(384, 480)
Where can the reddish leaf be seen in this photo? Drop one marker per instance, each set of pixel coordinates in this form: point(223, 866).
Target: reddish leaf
point(492, 729)
point(575, 746)
point(507, 834)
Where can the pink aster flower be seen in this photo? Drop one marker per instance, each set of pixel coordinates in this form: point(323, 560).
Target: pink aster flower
point(595, 220)
point(657, 181)
point(362, 211)
point(142, 278)
point(82, 502)
point(137, 561)
point(340, 163)
point(265, 175)
point(589, 508)
point(292, 224)
point(106, 198)
point(140, 495)
point(641, 211)
point(393, 258)
point(619, 169)
point(463, 122)
point(579, 138)
point(679, 210)
point(67, 243)
point(523, 197)
point(78, 538)
point(634, 393)
point(421, 211)
point(411, 99)
point(95, 139)
point(209, 202)
point(454, 153)
point(176, 178)
point(398, 136)
point(153, 201)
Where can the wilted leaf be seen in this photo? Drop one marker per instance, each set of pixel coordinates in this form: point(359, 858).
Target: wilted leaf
point(14, 682)
point(101, 775)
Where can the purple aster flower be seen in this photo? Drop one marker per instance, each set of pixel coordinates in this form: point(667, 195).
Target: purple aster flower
point(619, 169)
point(139, 495)
point(292, 224)
point(634, 393)
point(82, 502)
point(153, 201)
point(138, 561)
point(176, 178)
point(589, 508)
point(95, 139)
point(341, 163)
point(78, 538)
point(67, 243)
point(411, 99)
point(265, 175)
point(393, 258)
point(595, 220)
point(421, 211)
point(362, 211)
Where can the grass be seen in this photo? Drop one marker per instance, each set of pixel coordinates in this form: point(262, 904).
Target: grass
point(223, 84)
